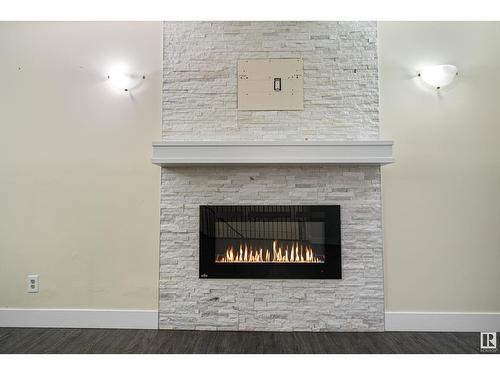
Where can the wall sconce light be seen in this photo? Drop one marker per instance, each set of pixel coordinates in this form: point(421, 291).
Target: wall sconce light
point(438, 76)
point(120, 79)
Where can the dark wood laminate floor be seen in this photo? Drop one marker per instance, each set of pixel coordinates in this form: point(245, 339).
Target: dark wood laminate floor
point(68, 340)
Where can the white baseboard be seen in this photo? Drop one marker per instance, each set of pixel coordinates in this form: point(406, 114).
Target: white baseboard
point(148, 319)
point(69, 318)
point(442, 321)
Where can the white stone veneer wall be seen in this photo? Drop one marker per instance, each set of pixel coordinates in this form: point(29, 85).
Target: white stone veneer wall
point(341, 102)
point(200, 80)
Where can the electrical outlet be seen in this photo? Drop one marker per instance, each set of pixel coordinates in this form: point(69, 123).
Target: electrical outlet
point(32, 284)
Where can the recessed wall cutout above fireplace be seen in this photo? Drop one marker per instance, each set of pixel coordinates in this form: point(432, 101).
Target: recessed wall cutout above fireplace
point(270, 242)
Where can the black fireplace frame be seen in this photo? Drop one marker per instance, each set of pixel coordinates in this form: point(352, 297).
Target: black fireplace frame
point(330, 269)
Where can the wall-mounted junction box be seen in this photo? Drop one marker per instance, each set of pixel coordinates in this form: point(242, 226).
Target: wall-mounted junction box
point(271, 84)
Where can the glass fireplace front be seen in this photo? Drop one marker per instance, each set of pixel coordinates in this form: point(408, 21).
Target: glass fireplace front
point(274, 242)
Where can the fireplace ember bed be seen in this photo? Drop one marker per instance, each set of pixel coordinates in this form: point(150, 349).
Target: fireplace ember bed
point(270, 242)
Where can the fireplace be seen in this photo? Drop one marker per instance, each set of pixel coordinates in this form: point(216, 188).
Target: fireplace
point(270, 242)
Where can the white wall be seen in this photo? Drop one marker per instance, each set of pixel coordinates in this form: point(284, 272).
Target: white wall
point(79, 199)
point(78, 194)
point(441, 199)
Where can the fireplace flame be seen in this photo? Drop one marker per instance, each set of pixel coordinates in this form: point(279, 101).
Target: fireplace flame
point(298, 253)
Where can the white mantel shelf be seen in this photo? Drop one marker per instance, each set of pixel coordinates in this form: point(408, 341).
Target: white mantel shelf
point(176, 153)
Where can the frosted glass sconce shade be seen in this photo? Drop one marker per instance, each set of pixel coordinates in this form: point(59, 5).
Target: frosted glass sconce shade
point(121, 79)
point(438, 76)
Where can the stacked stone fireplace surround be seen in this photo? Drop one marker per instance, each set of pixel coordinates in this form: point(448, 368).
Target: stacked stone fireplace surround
point(340, 103)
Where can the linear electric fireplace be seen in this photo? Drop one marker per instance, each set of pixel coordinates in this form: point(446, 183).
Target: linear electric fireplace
point(270, 242)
